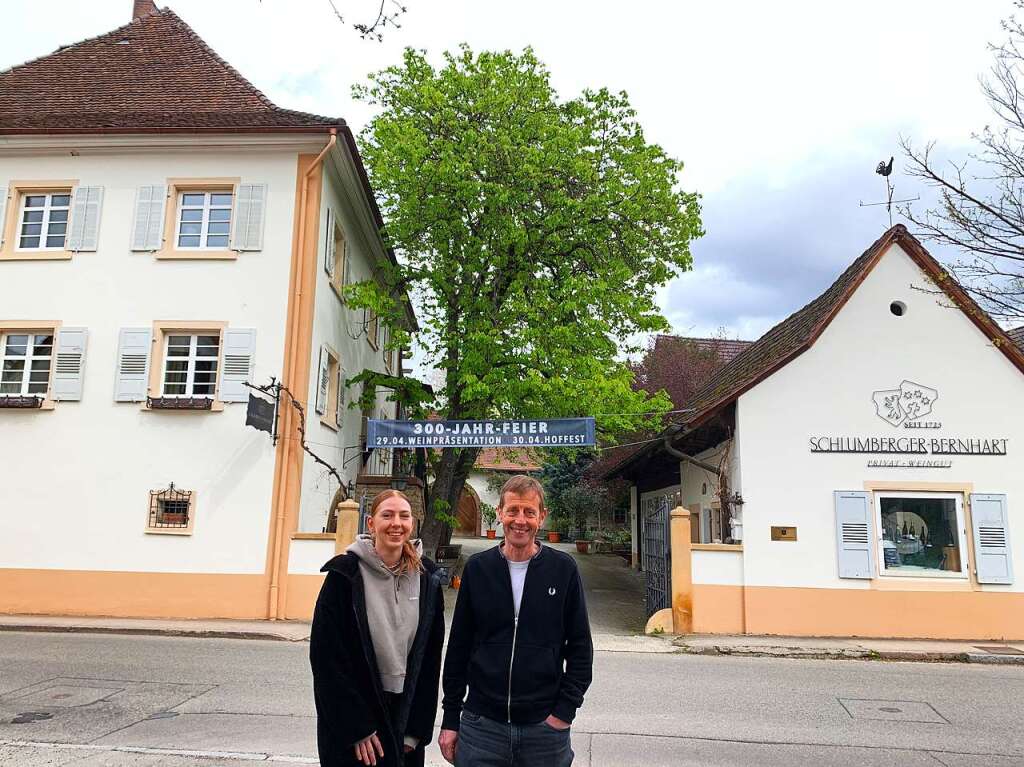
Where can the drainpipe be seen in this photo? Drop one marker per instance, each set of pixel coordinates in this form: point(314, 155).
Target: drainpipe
point(688, 459)
point(289, 377)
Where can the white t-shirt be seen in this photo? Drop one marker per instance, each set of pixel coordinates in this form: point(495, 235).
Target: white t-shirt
point(517, 571)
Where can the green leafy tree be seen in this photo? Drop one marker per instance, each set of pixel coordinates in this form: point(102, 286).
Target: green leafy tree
point(563, 469)
point(532, 232)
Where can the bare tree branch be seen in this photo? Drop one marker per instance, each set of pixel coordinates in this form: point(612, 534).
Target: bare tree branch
point(979, 204)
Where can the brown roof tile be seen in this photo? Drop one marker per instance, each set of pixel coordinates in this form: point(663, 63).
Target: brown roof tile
point(726, 348)
point(1017, 336)
point(155, 73)
point(507, 459)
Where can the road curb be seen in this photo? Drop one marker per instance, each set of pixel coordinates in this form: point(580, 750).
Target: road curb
point(144, 631)
point(806, 653)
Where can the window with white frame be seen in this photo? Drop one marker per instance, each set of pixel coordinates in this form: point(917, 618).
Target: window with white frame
point(204, 220)
point(25, 360)
point(43, 220)
point(373, 328)
point(921, 534)
point(339, 256)
point(388, 353)
point(190, 365)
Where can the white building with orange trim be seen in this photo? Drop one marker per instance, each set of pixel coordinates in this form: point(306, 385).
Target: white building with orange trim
point(167, 235)
point(855, 471)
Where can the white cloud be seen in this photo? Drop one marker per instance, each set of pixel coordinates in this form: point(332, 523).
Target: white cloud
point(779, 110)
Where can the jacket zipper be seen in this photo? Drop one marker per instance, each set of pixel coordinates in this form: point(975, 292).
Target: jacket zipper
point(515, 630)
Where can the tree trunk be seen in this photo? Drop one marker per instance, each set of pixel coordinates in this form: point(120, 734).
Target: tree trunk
point(449, 480)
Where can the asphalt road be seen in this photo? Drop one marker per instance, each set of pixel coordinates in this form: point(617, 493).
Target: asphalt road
point(107, 701)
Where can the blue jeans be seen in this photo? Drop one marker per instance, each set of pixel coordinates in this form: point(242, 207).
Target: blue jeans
point(486, 743)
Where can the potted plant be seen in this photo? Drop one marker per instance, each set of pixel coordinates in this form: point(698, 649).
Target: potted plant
point(556, 528)
point(490, 514)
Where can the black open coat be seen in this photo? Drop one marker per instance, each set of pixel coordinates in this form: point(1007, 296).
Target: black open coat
point(346, 682)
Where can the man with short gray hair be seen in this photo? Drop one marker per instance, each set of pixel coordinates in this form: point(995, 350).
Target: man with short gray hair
point(520, 641)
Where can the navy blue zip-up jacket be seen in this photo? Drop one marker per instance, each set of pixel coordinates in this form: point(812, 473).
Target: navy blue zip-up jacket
point(518, 673)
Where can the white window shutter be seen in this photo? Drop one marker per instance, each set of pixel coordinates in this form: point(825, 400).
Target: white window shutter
point(85, 218)
point(70, 364)
point(3, 210)
point(239, 352)
point(339, 413)
point(148, 229)
point(133, 355)
point(854, 538)
point(992, 560)
point(323, 382)
point(329, 245)
point(250, 209)
point(346, 273)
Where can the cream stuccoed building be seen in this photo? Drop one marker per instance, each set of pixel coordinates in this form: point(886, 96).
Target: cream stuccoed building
point(853, 472)
point(168, 235)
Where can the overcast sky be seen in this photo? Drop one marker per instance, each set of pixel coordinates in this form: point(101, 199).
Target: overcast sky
point(780, 110)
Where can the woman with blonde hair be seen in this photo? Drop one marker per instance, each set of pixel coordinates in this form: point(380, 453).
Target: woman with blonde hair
point(375, 646)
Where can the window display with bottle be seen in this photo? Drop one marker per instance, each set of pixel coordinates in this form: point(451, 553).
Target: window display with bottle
point(921, 534)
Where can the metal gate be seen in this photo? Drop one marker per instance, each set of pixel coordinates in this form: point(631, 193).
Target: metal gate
point(657, 556)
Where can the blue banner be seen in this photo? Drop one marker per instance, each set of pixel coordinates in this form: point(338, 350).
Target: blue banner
point(550, 432)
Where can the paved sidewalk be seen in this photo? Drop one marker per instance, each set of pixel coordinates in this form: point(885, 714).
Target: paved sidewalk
point(285, 631)
point(281, 631)
point(615, 603)
point(979, 651)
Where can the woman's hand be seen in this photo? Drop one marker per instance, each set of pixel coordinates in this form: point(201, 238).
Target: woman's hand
point(368, 749)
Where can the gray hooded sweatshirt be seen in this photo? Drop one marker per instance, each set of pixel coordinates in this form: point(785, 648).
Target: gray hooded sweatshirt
point(392, 611)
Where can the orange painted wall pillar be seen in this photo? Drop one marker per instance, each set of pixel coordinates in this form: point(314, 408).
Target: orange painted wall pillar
point(348, 525)
point(682, 572)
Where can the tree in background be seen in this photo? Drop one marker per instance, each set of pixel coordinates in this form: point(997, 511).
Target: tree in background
point(981, 209)
point(678, 367)
point(576, 495)
point(532, 233)
point(388, 13)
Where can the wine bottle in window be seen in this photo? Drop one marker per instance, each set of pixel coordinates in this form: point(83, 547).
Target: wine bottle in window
point(904, 528)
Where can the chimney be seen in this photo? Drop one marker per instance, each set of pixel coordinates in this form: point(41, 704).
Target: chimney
point(142, 8)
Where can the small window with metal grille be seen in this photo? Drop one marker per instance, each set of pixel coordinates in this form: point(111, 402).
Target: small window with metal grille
point(171, 511)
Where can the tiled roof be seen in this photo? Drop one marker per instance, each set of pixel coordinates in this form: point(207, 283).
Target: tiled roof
point(153, 74)
point(1017, 336)
point(507, 459)
point(797, 333)
point(726, 348)
point(791, 335)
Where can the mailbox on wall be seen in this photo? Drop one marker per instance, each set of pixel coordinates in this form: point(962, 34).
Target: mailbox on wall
point(783, 533)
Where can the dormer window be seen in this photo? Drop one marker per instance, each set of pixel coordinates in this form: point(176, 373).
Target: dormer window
point(204, 220)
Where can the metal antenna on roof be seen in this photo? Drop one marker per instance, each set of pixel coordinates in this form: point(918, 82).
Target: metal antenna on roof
point(885, 170)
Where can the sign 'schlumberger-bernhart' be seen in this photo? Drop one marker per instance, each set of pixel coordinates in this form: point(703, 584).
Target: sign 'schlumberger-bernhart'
point(909, 445)
point(905, 407)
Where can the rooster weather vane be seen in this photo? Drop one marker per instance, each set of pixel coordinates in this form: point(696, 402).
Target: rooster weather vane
point(884, 170)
